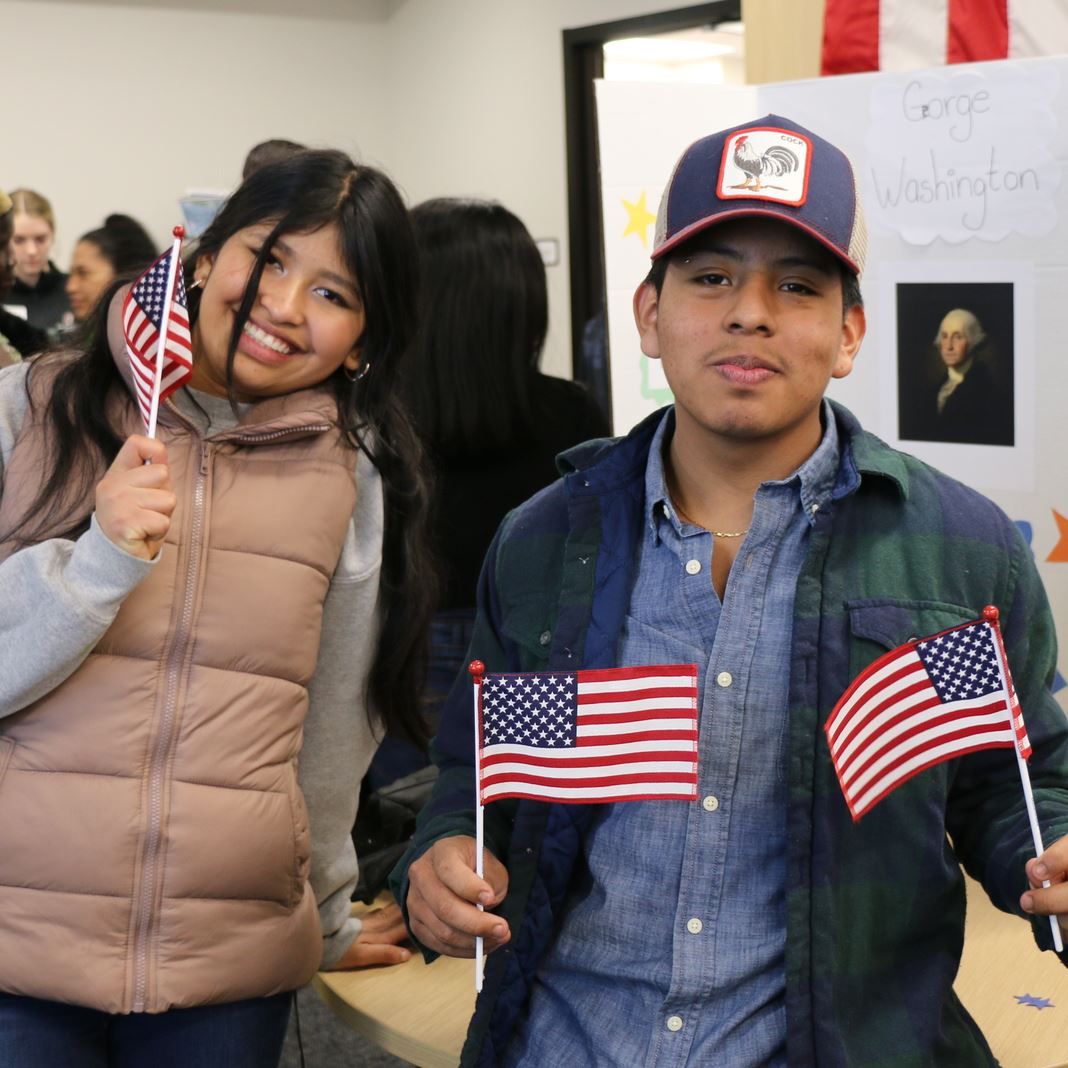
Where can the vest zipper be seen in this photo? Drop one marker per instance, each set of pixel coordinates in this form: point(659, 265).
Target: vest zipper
point(274, 435)
point(164, 744)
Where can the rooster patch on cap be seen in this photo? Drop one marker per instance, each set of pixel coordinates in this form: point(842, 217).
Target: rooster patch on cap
point(765, 164)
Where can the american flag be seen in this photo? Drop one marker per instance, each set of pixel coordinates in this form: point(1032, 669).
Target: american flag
point(142, 319)
point(923, 703)
point(619, 734)
point(902, 35)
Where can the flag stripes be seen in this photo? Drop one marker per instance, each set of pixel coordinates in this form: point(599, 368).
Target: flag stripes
point(597, 735)
point(922, 703)
point(903, 35)
point(142, 319)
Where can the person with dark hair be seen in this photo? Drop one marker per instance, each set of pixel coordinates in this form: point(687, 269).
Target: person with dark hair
point(185, 617)
point(39, 286)
point(266, 152)
point(121, 248)
point(754, 530)
point(492, 422)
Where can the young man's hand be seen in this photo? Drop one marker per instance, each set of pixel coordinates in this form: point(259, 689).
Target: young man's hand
point(443, 895)
point(378, 941)
point(134, 500)
point(1053, 901)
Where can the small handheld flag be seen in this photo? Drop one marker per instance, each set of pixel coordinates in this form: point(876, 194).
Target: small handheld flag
point(619, 734)
point(925, 702)
point(155, 324)
point(928, 701)
point(583, 737)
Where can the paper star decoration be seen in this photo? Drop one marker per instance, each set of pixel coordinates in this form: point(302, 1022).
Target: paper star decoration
point(639, 219)
point(1060, 550)
point(1035, 1003)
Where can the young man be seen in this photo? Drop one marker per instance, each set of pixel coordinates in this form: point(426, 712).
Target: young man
point(755, 529)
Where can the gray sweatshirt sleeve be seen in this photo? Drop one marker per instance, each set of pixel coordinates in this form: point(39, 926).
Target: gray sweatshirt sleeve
point(57, 598)
point(339, 739)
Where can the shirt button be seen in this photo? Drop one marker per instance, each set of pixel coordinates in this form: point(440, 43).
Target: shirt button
point(815, 509)
point(674, 1023)
point(710, 803)
point(724, 679)
point(693, 567)
point(694, 926)
point(545, 637)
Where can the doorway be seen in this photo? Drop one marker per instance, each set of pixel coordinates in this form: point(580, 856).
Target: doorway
point(703, 42)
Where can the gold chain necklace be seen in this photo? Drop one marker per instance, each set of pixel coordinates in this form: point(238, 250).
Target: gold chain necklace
point(714, 533)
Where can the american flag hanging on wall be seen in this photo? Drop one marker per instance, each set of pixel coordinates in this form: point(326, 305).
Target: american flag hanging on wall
point(901, 35)
point(142, 322)
point(619, 734)
point(923, 703)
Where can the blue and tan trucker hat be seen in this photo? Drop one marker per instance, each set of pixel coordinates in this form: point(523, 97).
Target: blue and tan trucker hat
point(769, 168)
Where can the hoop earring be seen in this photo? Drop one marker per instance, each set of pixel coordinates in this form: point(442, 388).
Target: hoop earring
point(195, 284)
point(360, 374)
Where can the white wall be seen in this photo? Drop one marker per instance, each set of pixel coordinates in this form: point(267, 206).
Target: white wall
point(123, 105)
point(477, 98)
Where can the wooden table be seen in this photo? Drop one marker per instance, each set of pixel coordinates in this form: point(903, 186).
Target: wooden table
point(1001, 962)
point(420, 1012)
point(415, 1011)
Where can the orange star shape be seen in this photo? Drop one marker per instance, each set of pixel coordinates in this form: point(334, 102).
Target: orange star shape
point(1059, 555)
point(639, 219)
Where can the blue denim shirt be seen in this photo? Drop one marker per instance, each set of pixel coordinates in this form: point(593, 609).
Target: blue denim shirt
point(672, 948)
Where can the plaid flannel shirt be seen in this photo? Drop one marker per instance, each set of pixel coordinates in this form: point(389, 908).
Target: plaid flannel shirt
point(875, 910)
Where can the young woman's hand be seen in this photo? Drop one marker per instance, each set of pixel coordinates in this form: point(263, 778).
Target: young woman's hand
point(378, 941)
point(134, 500)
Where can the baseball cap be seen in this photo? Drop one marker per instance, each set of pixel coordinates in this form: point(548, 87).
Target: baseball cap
point(768, 168)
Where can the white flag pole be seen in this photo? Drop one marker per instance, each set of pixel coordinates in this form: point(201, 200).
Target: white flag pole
point(991, 614)
point(477, 670)
point(165, 322)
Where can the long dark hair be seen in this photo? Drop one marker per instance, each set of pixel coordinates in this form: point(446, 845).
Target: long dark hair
point(483, 314)
point(304, 193)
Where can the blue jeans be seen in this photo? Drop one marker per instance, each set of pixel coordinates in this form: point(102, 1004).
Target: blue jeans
point(47, 1034)
point(450, 635)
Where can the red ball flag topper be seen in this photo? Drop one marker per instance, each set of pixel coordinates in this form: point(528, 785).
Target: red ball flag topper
point(179, 232)
point(476, 669)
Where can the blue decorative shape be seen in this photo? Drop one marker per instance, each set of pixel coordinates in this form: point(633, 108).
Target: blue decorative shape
point(1025, 529)
point(1059, 682)
point(1034, 1002)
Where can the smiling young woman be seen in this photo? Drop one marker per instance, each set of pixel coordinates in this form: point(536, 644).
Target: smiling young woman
point(179, 632)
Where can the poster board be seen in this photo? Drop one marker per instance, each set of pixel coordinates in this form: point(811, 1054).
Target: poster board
point(962, 173)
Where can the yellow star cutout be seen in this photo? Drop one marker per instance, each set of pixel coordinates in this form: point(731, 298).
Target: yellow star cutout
point(1060, 550)
point(639, 219)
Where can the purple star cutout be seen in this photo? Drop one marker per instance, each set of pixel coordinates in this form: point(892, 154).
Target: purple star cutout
point(1035, 1003)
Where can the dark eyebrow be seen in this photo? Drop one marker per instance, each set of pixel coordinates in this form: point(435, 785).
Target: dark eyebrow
point(330, 276)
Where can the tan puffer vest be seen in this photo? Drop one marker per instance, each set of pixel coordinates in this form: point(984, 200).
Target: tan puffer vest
point(154, 847)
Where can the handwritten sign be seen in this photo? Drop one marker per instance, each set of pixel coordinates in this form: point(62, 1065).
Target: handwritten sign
point(963, 155)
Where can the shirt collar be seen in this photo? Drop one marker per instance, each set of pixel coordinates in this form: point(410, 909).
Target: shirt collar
point(816, 476)
point(956, 374)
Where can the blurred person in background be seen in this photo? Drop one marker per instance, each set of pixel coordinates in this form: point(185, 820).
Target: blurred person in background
point(493, 424)
point(39, 290)
point(17, 337)
point(277, 148)
point(120, 247)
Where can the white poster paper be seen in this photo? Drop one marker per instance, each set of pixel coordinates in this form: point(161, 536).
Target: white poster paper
point(963, 155)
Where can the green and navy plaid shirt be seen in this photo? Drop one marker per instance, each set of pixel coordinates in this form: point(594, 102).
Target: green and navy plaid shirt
point(875, 910)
